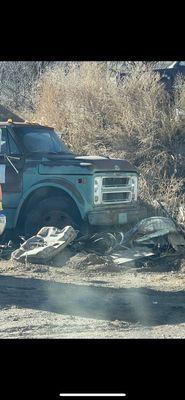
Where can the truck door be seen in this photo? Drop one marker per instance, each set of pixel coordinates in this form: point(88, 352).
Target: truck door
point(10, 155)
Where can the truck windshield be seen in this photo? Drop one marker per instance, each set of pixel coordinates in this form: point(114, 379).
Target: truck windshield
point(40, 140)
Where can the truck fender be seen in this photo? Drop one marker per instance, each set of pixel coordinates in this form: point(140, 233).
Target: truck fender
point(62, 185)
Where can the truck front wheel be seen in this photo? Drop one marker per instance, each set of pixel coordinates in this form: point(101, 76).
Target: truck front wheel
point(54, 211)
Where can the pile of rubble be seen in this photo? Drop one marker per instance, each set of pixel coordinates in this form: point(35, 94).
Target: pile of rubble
point(150, 238)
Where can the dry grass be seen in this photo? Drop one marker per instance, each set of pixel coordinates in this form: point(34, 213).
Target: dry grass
point(135, 120)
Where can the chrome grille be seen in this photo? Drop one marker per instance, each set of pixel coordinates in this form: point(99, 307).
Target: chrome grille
point(115, 181)
point(115, 188)
point(116, 197)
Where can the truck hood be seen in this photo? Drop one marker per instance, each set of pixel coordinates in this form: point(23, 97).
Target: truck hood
point(70, 164)
point(107, 164)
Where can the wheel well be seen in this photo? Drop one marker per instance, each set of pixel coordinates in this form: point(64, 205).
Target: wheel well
point(41, 194)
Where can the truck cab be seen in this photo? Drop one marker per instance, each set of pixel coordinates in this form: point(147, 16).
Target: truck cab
point(47, 185)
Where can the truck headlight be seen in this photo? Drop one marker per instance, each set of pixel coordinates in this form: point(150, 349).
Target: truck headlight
point(97, 190)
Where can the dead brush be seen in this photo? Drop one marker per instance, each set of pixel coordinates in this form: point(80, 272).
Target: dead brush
point(167, 191)
point(81, 104)
point(135, 119)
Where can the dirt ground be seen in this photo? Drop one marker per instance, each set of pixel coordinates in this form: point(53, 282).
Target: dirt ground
point(91, 300)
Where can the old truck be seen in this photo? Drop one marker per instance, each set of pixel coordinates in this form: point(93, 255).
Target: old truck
point(47, 185)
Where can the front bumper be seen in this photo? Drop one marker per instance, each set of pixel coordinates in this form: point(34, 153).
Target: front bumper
point(119, 216)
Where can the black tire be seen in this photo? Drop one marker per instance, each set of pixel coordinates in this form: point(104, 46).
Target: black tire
point(54, 211)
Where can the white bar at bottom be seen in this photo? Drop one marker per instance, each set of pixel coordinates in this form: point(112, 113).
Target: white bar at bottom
point(92, 394)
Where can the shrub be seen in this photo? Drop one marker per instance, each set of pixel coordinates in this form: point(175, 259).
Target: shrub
point(134, 119)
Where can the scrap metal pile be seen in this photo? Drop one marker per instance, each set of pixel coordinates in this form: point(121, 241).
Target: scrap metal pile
point(151, 237)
